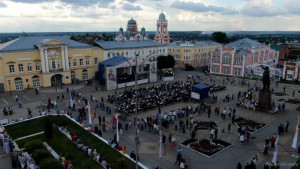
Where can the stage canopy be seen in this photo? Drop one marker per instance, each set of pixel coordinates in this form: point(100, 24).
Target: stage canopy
point(200, 91)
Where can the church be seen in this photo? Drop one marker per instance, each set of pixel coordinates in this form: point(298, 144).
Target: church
point(132, 32)
point(161, 36)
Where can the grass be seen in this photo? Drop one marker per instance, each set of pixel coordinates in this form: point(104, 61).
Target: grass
point(289, 82)
point(37, 125)
point(67, 148)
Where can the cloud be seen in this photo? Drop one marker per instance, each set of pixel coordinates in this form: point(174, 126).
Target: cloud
point(2, 5)
point(103, 3)
point(200, 7)
point(292, 6)
point(259, 8)
point(130, 7)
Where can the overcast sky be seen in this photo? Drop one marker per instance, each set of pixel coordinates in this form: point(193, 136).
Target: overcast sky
point(183, 15)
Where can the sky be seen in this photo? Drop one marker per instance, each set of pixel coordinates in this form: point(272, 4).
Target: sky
point(182, 15)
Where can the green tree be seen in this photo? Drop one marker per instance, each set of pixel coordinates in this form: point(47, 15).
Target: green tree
point(50, 163)
point(171, 61)
point(48, 129)
point(220, 37)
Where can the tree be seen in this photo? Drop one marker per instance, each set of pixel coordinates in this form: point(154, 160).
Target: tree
point(48, 129)
point(161, 62)
point(171, 61)
point(219, 37)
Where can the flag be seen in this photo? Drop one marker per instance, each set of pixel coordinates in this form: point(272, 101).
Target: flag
point(117, 125)
point(90, 117)
point(275, 153)
point(71, 100)
point(294, 145)
point(160, 141)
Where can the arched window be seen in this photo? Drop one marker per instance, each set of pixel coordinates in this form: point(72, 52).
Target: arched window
point(85, 75)
point(36, 81)
point(19, 83)
point(73, 74)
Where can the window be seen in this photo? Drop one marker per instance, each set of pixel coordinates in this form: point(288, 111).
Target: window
point(85, 75)
point(96, 60)
point(81, 62)
point(238, 61)
point(226, 70)
point(237, 72)
point(21, 69)
point(36, 82)
point(108, 55)
point(19, 84)
point(227, 59)
point(122, 53)
point(53, 65)
point(29, 67)
point(216, 69)
point(73, 75)
point(163, 50)
point(37, 66)
point(11, 69)
point(127, 53)
point(69, 63)
point(87, 60)
point(58, 64)
point(216, 59)
point(74, 62)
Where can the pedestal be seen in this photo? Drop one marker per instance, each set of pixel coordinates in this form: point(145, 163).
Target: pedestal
point(264, 100)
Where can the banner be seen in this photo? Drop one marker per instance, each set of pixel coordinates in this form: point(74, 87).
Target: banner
point(90, 117)
point(275, 153)
point(295, 140)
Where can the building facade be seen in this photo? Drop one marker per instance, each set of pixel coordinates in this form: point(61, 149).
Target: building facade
point(43, 61)
point(162, 35)
point(291, 70)
point(195, 53)
point(239, 57)
point(132, 32)
point(130, 48)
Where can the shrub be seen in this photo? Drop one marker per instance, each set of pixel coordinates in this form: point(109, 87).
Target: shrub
point(48, 129)
point(50, 163)
point(122, 163)
point(40, 154)
point(32, 145)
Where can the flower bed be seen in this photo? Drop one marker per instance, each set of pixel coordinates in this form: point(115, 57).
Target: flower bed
point(206, 125)
point(251, 125)
point(206, 147)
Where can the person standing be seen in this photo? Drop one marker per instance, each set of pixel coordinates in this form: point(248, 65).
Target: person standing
point(17, 98)
point(239, 166)
point(286, 126)
point(293, 93)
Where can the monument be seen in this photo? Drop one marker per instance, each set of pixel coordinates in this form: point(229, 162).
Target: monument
point(264, 100)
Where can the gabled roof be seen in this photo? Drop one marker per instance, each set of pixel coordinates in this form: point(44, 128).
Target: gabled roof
point(127, 44)
point(243, 52)
point(277, 47)
point(114, 61)
point(28, 43)
point(244, 43)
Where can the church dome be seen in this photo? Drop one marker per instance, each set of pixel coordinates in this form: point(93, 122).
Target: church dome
point(143, 29)
point(121, 29)
point(132, 21)
point(162, 17)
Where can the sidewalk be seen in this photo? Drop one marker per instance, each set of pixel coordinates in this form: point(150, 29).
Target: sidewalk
point(4, 161)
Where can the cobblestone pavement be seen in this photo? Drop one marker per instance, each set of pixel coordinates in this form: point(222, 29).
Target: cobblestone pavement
point(149, 147)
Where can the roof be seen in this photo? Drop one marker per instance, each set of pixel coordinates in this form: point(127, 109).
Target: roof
point(127, 44)
point(114, 61)
point(242, 52)
point(131, 21)
point(201, 86)
point(244, 43)
point(31, 42)
point(277, 47)
point(197, 43)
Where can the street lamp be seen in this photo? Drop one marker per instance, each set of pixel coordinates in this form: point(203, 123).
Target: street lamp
point(9, 87)
point(136, 98)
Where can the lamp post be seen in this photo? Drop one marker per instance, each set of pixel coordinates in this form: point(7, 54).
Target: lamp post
point(9, 87)
point(136, 98)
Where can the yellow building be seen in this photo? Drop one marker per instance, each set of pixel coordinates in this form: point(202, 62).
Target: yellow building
point(42, 61)
point(195, 53)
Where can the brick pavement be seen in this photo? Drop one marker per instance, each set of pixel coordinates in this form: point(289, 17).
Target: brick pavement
point(149, 144)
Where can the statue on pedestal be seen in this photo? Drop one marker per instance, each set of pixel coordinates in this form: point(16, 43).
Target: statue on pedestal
point(266, 78)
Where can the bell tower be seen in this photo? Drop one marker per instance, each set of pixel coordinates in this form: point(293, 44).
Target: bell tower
point(162, 35)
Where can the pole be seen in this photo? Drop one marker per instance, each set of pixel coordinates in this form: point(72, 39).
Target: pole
point(136, 107)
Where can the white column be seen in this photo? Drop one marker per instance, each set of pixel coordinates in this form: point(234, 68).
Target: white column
point(42, 60)
point(63, 58)
point(221, 61)
point(243, 69)
point(67, 58)
point(231, 64)
point(46, 60)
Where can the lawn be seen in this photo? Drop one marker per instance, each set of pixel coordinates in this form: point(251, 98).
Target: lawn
point(37, 125)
